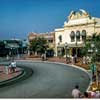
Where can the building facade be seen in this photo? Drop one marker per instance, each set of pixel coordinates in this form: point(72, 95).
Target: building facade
point(49, 37)
point(79, 26)
point(13, 47)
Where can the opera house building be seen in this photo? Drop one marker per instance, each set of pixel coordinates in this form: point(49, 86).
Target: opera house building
point(79, 26)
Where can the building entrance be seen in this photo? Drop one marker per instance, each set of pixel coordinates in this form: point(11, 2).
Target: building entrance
point(76, 51)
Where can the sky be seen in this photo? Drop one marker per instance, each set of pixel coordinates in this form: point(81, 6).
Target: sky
point(20, 17)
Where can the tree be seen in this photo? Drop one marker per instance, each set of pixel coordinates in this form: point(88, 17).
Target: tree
point(33, 44)
point(38, 45)
point(3, 50)
point(95, 39)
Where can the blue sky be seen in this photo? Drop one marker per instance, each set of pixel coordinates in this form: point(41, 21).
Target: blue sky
point(19, 17)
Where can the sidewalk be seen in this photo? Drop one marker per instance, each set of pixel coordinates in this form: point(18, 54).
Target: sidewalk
point(4, 76)
point(61, 60)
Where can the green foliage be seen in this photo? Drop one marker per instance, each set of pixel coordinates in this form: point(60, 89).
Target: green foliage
point(84, 50)
point(2, 45)
point(38, 45)
point(95, 39)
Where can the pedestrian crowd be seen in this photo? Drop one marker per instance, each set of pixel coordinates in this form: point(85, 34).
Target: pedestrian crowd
point(86, 60)
point(74, 59)
point(76, 93)
point(11, 68)
point(71, 59)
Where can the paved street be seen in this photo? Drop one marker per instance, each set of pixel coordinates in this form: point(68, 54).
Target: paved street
point(48, 81)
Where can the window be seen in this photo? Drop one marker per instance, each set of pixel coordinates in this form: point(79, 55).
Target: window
point(72, 36)
point(83, 35)
point(60, 38)
point(50, 41)
point(78, 35)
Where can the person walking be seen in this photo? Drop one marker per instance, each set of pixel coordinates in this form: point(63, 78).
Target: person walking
point(75, 58)
point(10, 68)
point(13, 65)
point(84, 60)
point(72, 60)
point(42, 56)
point(97, 95)
point(76, 92)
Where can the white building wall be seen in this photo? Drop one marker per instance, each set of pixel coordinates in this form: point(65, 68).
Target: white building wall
point(90, 24)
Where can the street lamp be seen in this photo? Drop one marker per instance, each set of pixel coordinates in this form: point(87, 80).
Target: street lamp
point(18, 56)
point(28, 50)
point(12, 51)
point(92, 45)
point(94, 51)
point(58, 52)
point(66, 47)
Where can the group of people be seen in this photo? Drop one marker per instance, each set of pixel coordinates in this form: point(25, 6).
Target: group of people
point(86, 60)
point(12, 67)
point(72, 59)
point(77, 94)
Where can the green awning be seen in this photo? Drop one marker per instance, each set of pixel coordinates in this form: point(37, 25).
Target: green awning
point(74, 45)
point(71, 45)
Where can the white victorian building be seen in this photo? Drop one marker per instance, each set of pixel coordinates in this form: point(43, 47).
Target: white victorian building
point(72, 36)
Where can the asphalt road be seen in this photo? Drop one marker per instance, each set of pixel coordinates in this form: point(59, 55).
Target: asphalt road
point(48, 81)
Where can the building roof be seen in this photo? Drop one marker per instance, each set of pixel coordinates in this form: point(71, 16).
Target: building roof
point(78, 14)
point(12, 45)
point(81, 17)
point(45, 35)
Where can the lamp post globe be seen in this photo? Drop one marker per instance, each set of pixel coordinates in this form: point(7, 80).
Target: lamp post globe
point(96, 50)
point(92, 45)
point(66, 44)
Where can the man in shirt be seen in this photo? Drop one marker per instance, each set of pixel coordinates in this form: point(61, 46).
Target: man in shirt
point(13, 65)
point(76, 92)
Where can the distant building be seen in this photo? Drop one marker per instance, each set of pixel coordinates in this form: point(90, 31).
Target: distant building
point(13, 47)
point(80, 25)
point(49, 37)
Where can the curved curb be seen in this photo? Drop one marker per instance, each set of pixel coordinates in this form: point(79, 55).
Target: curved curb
point(26, 73)
point(64, 64)
point(8, 81)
